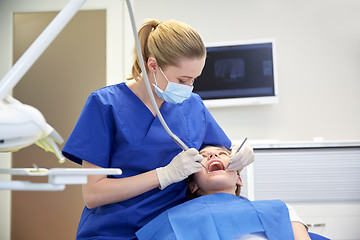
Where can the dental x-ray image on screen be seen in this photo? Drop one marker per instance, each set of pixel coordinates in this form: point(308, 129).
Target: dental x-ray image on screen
point(238, 73)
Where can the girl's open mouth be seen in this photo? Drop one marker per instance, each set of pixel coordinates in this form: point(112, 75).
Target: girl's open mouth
point(216, 166)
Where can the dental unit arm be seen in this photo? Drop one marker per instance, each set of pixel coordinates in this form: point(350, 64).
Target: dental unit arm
point(22, 125)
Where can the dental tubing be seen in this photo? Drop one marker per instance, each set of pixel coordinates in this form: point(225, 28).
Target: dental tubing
point(147, 83)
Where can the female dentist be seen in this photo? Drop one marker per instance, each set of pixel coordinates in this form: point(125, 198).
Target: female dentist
point(118, 128)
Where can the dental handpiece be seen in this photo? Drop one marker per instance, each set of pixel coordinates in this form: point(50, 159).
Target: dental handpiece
point(237, 151)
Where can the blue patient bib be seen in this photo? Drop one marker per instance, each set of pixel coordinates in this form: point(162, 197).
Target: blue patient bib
point(220, 216)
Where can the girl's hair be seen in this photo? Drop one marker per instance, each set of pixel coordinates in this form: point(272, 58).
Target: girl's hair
point(196, 194)
point(167, 42)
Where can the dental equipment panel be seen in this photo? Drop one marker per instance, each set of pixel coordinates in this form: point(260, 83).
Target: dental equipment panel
point(57, 177)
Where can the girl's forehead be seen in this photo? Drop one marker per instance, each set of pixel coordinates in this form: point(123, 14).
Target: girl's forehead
point(213, 149)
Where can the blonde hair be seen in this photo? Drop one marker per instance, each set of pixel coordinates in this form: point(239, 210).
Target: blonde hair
point(167, 42)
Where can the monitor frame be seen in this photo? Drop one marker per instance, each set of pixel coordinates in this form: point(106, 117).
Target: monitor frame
point(255, 100)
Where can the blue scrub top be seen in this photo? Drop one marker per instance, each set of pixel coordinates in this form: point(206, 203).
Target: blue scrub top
point(116, 130)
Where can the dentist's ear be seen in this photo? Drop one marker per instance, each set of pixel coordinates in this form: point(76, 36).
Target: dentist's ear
point(152, 64)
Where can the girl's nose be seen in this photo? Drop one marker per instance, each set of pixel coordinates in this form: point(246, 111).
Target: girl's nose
point(212, 155)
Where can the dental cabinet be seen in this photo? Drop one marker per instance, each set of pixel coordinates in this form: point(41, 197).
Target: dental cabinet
point(320, 180)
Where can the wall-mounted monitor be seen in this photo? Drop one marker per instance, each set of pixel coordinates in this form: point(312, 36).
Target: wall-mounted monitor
point(239, 73)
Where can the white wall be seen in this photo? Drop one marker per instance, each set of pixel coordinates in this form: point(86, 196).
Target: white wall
point(318, 56)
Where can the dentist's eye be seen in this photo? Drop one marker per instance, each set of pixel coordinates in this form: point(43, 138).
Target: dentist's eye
point(186, 81)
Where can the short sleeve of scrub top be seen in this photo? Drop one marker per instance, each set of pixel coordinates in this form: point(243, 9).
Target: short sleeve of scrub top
point(116, 130)
point(91, 139)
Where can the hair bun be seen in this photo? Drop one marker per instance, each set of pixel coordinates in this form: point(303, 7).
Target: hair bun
point(154, 23)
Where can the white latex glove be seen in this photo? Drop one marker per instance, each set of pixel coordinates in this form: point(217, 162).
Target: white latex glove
point(182, 165)
point(49, 140)
point(242, 158)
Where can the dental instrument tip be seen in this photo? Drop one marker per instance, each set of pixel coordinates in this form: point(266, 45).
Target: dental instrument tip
point(237, 151)
point(207, 170)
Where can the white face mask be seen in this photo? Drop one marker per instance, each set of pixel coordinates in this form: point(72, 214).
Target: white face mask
point(174, 92)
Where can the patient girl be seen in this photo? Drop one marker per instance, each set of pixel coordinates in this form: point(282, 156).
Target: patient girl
point(217, 211)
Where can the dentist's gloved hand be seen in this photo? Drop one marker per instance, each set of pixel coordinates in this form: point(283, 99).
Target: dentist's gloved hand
point(184, 164)
point(242, 158)
point(49, 140)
